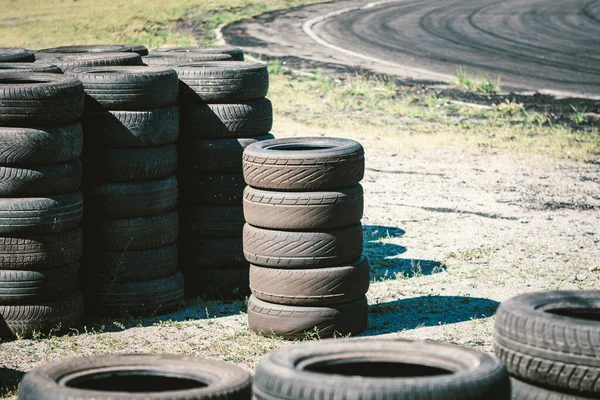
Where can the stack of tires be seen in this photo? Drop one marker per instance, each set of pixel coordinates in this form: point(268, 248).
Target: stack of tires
point(223, 109)
point(550, 344)
point(72, 57)
point(130, 189)
point(40, 204)
point(303, 237)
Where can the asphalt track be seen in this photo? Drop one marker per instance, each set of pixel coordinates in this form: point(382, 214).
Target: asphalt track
point(530, 44)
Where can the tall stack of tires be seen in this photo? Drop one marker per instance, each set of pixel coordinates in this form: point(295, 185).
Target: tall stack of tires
point(41, 206)
point(223, 109)
point(303, 237)
point(130, 189)
point(550, 344)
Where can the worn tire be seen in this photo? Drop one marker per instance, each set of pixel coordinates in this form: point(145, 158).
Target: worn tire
point(304, 164)
point(524, 391)
point(13, 54)
point(132, 128)
point(235, 52)
point(45, 317)
point(289, 249)
point(98, 48)
point(40, 180)
point(218, 121)
point(222, 82)
point(213, 221)
point(69, 61)
point(43, 145)
point(215, 189)
point(128, 87)
point(30, 287)
point(30, 67)
point(39, 215)
point(172, 60)
point(30, 99)
point(208, 253)
point(138, 233)
point(157, 374)
point(311, 286)
point(218, 284)
point(559, 350)
point(134, 199)
point(303, 210)
point(380, 369)
point(292, 322)
point(130, 164)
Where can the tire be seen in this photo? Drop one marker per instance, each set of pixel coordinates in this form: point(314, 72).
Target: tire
point(291, 322)
point(552, 339)
point(288, 249)
point(219, 190)
point(380, 369)
point(170, 60)
point(145, 298)
point(128, 87)
point(135, 199)
point(132, 128)
point(524, 391)
point(218, 121)
point(98, 48)
point(334, 209)
point(208, 253)
point(222, 82)
point(13, 54)
point(47, 145)
point(235, 52)
point(41, 180)
point(40, 215)
point(30, 67)
point(311, 287)
point(139, 233)
point(214, 221)
point(132, 265)
point(30, 287)
point(46, 318)
point(218, 284)
point(130, 164)
point(69, 61)
point(30, 99)
point(136, 376)
point(35, 252)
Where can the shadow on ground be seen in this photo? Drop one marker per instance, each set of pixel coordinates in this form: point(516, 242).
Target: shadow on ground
point(9, 380)
point(416, 312)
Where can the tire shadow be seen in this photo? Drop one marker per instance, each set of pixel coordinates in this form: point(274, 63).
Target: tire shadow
point(9, 381)
point(416, 312)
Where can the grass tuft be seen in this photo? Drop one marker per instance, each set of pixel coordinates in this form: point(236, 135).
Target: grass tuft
point(481, 83)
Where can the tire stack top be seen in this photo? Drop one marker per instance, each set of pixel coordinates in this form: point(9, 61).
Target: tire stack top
point(130, 188)
point(303, 237)
point(40, 203)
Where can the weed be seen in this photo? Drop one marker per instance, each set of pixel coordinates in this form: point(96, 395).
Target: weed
point(471, 254)
point(275, 67)
point(481, 83)
point(578, 115)
point(509, 107)
point(312, 334)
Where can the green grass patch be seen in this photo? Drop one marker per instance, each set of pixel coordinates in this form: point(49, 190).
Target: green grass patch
point(480, 83)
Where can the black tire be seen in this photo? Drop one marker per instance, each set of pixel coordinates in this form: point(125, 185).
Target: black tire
point(524, 391)
point(135, 199)
point(235, 52)
point(45, 318)
point(218, 121)
point(39, 215)
point(40, 251)
point(13, 54)
point(130, 164)
point(98, 48)
point(219, 190)
point(200, 253)
point(311, 287)
point(288, 249)
point(30, 99)
point(131, 265)
point(213, 221)
point(30, 67)
point(303, 210)
point(47, 145)
point(304, 164)
point(69, 61)
point(217, 284)
point(292, 322)
point(30, 287)
point(380, 369)
point(171, 60)
point(552, 339)
point(128, 87)
point(41, 180)
point(132, 128)
point(136, 376)
point(144, 298)
point(222, 82)
point(139, 233)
